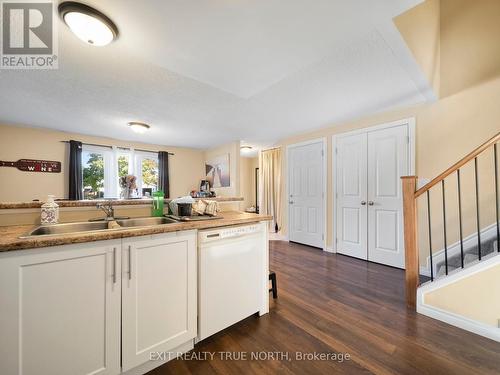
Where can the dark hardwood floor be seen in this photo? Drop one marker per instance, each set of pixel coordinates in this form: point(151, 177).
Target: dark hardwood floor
point(331, 303)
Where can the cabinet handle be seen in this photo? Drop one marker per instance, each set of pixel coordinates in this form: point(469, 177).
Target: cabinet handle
point(371, 203)
point(129, 262)
point(114, 265)
point(363, 203)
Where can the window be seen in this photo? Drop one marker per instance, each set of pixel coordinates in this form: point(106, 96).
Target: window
point(148, 178)
point(103, 167)
point(93, 175)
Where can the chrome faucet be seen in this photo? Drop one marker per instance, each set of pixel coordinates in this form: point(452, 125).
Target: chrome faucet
point(108, 209)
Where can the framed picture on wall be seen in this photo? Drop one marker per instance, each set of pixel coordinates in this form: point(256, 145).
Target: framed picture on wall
point(217, 171)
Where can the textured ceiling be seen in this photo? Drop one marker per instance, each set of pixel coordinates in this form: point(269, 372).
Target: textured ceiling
point(206, 72)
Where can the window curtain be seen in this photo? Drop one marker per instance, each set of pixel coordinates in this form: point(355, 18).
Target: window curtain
point(163, 180)
point(75, 171)
point(270, 186)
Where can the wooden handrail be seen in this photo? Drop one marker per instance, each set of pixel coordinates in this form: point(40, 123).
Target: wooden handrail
point(458, 164)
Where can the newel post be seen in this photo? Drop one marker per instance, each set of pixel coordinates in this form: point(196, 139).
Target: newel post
point(410, 234)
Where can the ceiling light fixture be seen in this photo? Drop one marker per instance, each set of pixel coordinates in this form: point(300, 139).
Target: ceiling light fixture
point(245, 149)
point(88, 24)
point(139, 127)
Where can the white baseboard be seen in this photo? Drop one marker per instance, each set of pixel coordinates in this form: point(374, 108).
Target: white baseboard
point(277, 237)
point(454, 319)
point(461, 322)
point(329, 249)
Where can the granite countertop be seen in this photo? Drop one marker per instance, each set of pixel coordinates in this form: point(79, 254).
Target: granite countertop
point(93, 203)
point(9, 235)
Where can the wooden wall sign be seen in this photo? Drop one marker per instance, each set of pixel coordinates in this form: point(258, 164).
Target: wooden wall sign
point(29, 165)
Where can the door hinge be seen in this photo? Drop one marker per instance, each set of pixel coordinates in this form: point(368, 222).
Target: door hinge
point(336, 240)
point(322, 153)
point(336, 150)
point(408, 139)
point(323, 237)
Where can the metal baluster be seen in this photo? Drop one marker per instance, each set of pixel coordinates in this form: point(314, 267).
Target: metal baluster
point(477, 211)
point(496, 195)
point(430, 233)
point(460, 219)
point(444, 230)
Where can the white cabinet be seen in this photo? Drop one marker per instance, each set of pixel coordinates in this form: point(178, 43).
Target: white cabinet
point(60, 310)
point(73, 309)
point(158, 295)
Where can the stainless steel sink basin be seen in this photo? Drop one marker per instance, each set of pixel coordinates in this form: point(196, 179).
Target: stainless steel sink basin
point(44, 230)
point(94, 226)
point(145, 221)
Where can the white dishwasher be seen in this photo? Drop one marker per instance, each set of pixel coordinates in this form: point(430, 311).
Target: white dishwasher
point(232, 279)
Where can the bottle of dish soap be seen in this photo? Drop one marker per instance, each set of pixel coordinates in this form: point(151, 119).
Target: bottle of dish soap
point(158, 201)
point(50, 211)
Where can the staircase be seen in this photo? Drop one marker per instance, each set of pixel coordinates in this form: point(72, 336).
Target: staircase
point(464, 286)
point(471, 256)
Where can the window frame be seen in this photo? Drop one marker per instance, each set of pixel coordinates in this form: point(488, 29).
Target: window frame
point(110, 156)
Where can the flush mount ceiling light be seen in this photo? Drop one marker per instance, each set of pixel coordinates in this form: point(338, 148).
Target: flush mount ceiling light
point(88, 24)
point(139, 127)
point(245, 149)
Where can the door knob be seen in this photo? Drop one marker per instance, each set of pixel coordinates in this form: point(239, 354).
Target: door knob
point(291, 202)
point(363, 203)
point(371, 203)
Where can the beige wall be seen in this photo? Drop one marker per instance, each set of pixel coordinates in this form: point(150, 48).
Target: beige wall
point(247, 178)
point(476, 297)
point(186, 166)
point(470, 48)
point(445, 132)
point(233, 149)
point(420, 28)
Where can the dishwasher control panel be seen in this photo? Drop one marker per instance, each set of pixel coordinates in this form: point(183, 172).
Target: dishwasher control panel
point(222, 233)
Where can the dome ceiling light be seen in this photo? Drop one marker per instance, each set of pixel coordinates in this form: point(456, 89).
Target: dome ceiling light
point(88, 24)
point(139, 127)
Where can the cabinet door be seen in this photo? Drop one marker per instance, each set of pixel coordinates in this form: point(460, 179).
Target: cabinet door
point(158, 295)
point(61, 310)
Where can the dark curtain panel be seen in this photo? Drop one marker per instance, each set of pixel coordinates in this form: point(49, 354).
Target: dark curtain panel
point(163, 180)
point(75, 171)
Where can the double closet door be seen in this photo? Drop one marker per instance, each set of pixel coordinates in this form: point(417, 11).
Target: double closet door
point(369, 205)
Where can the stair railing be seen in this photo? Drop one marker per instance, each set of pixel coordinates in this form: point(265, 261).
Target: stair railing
point(410, 196)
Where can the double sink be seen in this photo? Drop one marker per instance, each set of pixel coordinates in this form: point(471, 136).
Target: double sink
point(92, 226)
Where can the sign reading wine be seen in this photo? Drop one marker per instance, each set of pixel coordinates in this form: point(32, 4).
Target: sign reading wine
point(30, 165)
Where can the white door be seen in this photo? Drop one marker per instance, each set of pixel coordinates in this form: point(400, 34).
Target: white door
point(158, 295)
point(61, 310)
point(352, 188)
point(306, 196)
point(369, 217)
point(387, 162)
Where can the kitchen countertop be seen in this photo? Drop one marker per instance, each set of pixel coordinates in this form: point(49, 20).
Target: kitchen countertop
point(93, 203)
point(9, 235)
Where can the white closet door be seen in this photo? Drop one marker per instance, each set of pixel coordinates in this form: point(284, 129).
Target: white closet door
point(306, 204)
point(351, 195)
point(387, 162)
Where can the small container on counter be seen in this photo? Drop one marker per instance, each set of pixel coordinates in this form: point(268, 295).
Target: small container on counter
point(50, 211)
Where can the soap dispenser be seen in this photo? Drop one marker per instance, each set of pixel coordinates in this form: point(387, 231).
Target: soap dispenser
point(50, 211)
point(158, 201)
